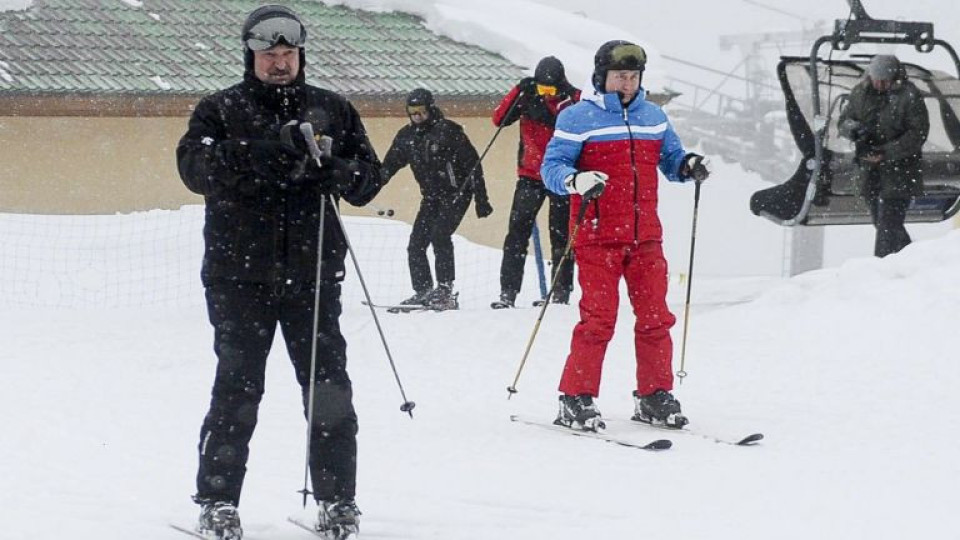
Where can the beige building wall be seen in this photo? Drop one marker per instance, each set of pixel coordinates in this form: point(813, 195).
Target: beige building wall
point(83, 165)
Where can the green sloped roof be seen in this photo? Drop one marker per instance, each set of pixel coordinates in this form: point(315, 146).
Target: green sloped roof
point(190, 47)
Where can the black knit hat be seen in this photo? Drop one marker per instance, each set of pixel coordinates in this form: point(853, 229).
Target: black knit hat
point(267, 12)
point(550, 72)
point(617, 55)
point(420, 96)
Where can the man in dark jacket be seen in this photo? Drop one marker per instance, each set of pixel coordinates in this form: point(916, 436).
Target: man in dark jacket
point(535, 101)
point(446, 167)
point(887, 120)
point(265, 201)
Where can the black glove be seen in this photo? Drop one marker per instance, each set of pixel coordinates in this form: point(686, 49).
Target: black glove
point(528, 86)
point(851, 129)
point(693, 167)
point(334, 175)
point(483, 208)
point(273, 160)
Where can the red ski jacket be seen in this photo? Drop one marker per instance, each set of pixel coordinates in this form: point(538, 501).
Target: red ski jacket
point(598, 134)
point(537, 115)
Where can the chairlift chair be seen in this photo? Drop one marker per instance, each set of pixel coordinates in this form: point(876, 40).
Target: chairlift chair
point(822, 190)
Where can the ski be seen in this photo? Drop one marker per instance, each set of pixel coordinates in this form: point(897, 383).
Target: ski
point(748, 440)
point(188, 532)
point(399, 308)
point(330, 535)
point(659, 444)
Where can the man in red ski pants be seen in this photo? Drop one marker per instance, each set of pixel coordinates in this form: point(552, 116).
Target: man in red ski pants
point(604, 153)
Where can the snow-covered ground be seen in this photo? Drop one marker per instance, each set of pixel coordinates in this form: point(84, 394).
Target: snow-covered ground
point(850, 372)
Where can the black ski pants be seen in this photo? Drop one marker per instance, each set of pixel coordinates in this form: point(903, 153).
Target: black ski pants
point(245, 317)
point(888, 216)
point(436, 221)
point(528, 198)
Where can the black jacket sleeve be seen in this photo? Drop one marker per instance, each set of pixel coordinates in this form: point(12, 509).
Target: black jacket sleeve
point(398, 156)
point(207, 160)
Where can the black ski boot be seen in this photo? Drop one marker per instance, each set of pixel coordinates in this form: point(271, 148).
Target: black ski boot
point(659, 408)
point(338, 519)
point(442, 298)
point(415, 302)
point(558, 297)
point(418, 299)
point(219, 520)
point(506, 301)
point(579, 412)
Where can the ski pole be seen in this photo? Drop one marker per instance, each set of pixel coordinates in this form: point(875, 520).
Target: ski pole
point(483, 154)
point(316, 153)
point(307, 129)
point(512, 389)
point(311, 395)
point(407, 405)
point(538, 257)
point(686, 305)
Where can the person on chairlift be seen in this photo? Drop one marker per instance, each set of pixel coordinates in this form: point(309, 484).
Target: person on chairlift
point(887, 121)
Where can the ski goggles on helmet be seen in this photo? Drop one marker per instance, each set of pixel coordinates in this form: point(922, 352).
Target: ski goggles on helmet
point(269, 32)
point(416, 109)
point(546, 90)
point(627, 56)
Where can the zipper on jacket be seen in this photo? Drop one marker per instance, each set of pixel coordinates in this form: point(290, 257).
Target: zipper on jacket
point(633, 167)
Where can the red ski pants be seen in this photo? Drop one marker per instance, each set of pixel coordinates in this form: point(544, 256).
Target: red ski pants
point(644, 269)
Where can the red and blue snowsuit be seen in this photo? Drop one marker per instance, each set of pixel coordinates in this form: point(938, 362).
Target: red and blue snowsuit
point(620, 235)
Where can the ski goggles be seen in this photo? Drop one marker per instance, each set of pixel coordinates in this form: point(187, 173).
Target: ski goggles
point(546, 90)
point(416, 109)
point(269, 32)
point(628, 57)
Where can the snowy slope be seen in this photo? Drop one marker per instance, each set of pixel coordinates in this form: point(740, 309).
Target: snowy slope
point(849, 372)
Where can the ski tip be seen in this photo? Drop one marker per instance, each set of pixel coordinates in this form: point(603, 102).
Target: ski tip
point(750, 439)
point(659, 444)
point(185, 530)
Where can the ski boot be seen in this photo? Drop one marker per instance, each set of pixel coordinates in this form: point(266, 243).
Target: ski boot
point(219, 520)
point(506, 300)
point(659, 408)
point(558, 297)
point(417, 301)
point(579, 412)
point(442, 298)
point(338, 520)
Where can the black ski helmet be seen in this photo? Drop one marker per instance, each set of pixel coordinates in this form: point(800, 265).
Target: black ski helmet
point(616, 55)
point(420, 96)
point(264, 13)
point(550, 72)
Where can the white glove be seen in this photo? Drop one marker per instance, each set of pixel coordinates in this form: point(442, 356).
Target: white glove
point(589, 184)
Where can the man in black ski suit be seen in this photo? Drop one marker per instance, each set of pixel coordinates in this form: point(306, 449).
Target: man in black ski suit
point(888, 122)
point(264, 198)
point(446, 167)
